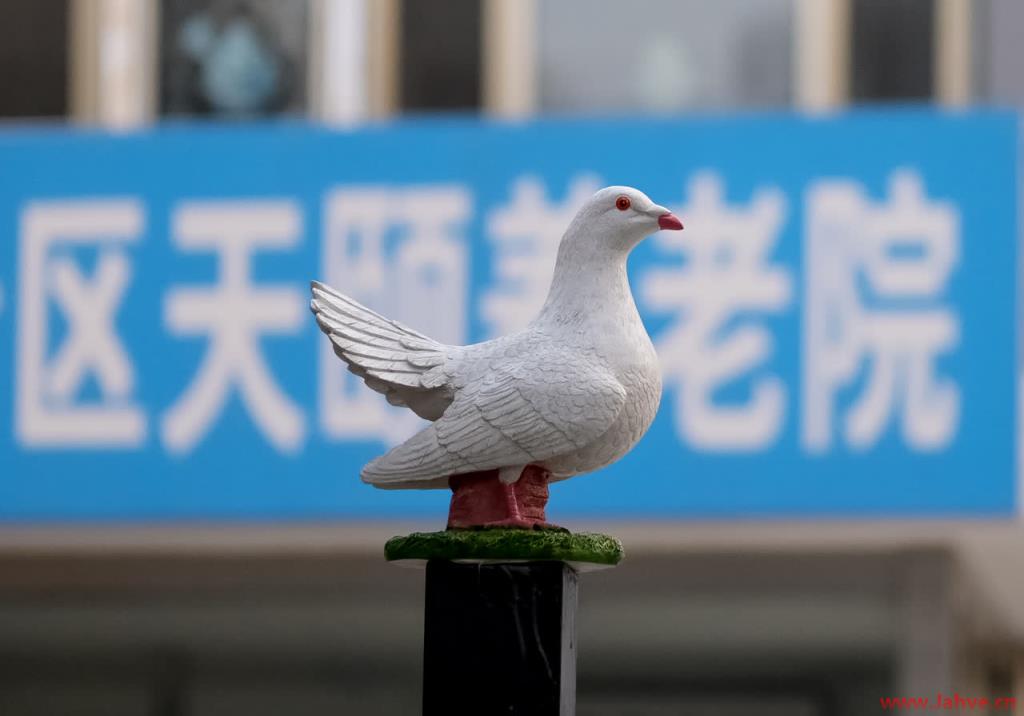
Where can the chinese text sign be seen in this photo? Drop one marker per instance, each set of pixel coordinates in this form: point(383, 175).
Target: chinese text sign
point(836, 325)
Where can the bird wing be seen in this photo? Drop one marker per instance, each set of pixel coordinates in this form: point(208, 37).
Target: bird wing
point(516, 413)
point(404, 365)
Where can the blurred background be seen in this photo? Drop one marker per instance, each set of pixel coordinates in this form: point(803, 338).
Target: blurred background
point(816, 601)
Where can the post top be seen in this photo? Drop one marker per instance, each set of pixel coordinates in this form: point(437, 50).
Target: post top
point(584, 551)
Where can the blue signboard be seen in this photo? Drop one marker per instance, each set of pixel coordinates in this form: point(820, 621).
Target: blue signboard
point(836, 325)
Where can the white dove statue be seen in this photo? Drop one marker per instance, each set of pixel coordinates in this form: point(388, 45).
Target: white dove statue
point(572, 392)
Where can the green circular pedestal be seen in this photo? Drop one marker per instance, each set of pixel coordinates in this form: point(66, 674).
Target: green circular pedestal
point(585, 551)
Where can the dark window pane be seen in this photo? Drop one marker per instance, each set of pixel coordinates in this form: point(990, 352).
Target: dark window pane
point(440, 54)
point(892, 49)
point(34, 58)
point(233, 58)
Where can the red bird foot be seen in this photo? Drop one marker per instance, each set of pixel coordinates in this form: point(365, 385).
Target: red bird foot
point(480, 499)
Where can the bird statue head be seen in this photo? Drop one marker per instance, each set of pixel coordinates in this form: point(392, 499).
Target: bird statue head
point(616, 219)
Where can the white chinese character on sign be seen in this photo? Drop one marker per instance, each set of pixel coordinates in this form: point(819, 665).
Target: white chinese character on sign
point(234, 314)
point(525, 234)
point(713, 343)
point(875, 278)
point(51, 409)
point(402, 253)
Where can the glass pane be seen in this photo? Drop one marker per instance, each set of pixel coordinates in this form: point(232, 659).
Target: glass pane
point(34, 58)
point(232, 58)
point(440, 56)
point(892, 48)
point(998, 53)
point(664, 55)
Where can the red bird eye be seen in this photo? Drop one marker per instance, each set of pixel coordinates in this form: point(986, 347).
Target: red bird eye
point(622, 203)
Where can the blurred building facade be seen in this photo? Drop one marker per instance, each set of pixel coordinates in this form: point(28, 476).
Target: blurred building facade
point(122, 64)
point(727, 618)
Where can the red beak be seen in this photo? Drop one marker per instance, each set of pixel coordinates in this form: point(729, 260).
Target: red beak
point(670, 221)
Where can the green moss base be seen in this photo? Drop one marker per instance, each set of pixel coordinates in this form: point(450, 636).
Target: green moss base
point(584, 550)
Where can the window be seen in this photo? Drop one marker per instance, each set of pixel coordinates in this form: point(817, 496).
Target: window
point(439, 61)
point(34, 58)
point(892, 50)
point(232, 58)
point(998, 53)
point(664, 55)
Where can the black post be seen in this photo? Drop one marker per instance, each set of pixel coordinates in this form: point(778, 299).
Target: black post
point(499, 639)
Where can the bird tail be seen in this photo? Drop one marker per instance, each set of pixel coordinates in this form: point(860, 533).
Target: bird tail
point(418, 463)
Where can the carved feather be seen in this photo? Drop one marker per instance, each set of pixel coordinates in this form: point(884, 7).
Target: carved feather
point(403, 364)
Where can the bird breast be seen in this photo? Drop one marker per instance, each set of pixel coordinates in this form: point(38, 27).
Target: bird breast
point(629, 354)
